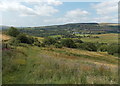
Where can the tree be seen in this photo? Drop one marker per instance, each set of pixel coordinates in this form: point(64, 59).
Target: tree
point(13, 32)
point(25, 39)
point(78, 41)
point(103, 48)
point(87, 46)
point(68, 43)
point(113, 49)
point(58, 45)
point(49, 41)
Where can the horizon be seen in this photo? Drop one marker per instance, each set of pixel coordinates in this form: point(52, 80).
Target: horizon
point(56, 12)
point(52, 25)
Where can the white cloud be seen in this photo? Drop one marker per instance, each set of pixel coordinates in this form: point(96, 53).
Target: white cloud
point(40, 7)
point(16, 7)
point(48, 2)
point(45, 10)
point(105, 19)
point(107, 11)
point(72, 16)
point(104, 8)
point(76, 13)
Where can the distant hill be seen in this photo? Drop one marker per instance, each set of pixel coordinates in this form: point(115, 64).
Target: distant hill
point(4, 27)
point(71, 28)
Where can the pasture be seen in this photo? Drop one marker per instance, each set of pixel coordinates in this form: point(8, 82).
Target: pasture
point(34, 65)
point(103, 38)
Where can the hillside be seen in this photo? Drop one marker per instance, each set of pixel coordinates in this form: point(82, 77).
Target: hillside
point(28, 59)
point(52, 65)
point(73, 28)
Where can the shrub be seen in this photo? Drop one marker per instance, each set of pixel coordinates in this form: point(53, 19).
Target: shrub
point(49, 41)
point(78, 41)
point(25, 39)
point(42, 45)
point(57, 38)
point(5, 45)
point(87, 46)
point(103, 48)
point(13, 32)
point(37, 43)
point(58, 45)
point(113, 49)
point(14, 42)
point(68, 43)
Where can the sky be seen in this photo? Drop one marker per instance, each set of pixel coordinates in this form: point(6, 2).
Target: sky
point(27, 13)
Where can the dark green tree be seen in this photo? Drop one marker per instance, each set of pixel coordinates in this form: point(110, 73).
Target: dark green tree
point(13, 32)
point(49, 41)
point(25, 39)
point(113, 49)
point(68, 43)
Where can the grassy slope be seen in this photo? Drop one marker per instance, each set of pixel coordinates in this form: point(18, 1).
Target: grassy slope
point(51, 65)
point(34, 65)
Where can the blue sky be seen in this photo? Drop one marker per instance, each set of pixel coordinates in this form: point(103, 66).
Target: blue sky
point(54, 12)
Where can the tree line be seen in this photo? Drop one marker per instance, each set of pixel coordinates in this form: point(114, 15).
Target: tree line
point(19, 38)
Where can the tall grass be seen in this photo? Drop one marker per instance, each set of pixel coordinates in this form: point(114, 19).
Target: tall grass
point(40, 67)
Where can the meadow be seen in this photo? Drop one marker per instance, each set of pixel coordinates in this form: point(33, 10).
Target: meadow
point(53, 66)
point(103, 38)
point(29, 59)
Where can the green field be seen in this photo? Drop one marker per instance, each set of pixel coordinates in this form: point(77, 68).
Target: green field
point(103, 38)
point(34, 65)
point(40, 62)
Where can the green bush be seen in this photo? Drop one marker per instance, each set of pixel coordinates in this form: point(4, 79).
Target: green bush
point(68, 43)
point(113, 49)
point(58, 45)
point(87, 46)
point(13, 32)
point(14, 42)
point(37, 44)
point(25, 39)
point(78, 41)
point(103, 48)
point(42, 45)
point(49, 41)
point(5, 45)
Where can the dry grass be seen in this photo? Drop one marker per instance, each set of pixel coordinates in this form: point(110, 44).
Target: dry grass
point(4, 37)
point(98, 55)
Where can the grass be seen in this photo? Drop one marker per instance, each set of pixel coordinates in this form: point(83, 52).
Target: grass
point(4, 37)
point(103, 38)
point(34, 65)
point(56, 36)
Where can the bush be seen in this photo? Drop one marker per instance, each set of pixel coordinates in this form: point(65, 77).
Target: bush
point(78, 41)
point(58, 45)
point(13, 32)
point(103, 48)
point(42, 45)
point(5, 45)
point(113, 49)
point(37, 43)
point(49, 41)
point(25, 39)
point(68, 43)
point(87, 46)
point(14, 42)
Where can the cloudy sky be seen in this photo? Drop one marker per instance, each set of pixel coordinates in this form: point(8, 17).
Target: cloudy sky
point(51, 12)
